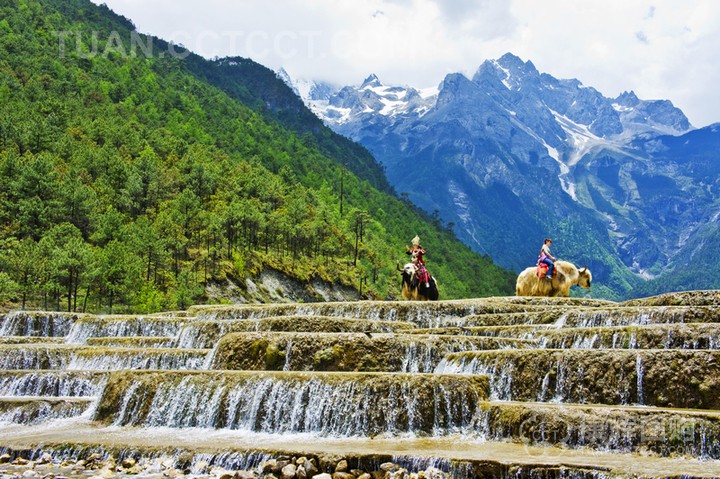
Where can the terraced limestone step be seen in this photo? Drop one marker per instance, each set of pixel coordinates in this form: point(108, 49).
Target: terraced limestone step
point(433, 314)
point(124, 326)
point(75, 357)
point(31, 340)
point(206, 334)
point(344, 351)
point(37, 323)
point(154, 342)
point(682, 298)
point(637, 315)
point(653, 336)
point(666, 378)
point(650, 431)
point(585, 317)
point(338, 404)
point(34, 410)
point(52, 383)
point(522, 331)
point(552, 336)
point(538, 318)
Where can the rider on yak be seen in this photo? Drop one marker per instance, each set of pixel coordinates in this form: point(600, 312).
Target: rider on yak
point(417, 252)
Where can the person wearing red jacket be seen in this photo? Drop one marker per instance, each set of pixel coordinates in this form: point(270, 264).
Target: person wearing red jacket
point(417, 252)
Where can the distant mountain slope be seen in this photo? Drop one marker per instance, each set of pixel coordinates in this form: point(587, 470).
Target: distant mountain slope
point(513, 155)
point(693, 158)
point(129, 183)
point(259, 88)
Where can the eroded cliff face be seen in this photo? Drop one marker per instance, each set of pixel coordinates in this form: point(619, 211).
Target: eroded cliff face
point(462, 389)
point(273, 286)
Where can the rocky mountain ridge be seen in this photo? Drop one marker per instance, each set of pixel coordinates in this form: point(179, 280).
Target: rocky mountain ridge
point(512, 155)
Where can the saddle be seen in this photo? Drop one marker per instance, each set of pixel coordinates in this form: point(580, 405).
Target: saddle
point(542, 270)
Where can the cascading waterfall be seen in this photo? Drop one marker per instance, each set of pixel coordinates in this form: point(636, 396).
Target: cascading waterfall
point(132, 400)
point(583, 342)
point(560, 381)
point(544, 387)
point(187, 404)
point(326, 404)
point(160, 359)
point(573, 391)
point(50, 383)
point(99, 359)
point(37, 412)
point(31, 358)
point(690, 336)
point(288, 356)
point(414, 360)
point(640, 372)
point(245, 461)
point(423, 357)
point(111, 326)
point(46, 324)
point(501, 375)
point(590, 376)
point(193, 335)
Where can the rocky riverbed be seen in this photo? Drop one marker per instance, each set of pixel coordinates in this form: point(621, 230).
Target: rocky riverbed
point(97, 466)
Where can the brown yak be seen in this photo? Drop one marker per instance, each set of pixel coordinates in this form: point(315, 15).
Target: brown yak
point(566, 275)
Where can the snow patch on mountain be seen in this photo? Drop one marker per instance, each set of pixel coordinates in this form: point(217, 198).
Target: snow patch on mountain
point(332, 113)
point(580, 139)
point(428, 93)
point(461, 201)
point(505, 79)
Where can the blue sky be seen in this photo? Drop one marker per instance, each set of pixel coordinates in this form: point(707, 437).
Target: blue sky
point(662, 49)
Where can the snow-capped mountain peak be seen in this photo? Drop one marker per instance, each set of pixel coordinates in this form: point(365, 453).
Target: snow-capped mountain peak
point(307, 90)
point(371, 81)
point(349, 104)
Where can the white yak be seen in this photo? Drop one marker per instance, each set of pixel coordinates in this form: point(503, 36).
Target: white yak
point(565, 276)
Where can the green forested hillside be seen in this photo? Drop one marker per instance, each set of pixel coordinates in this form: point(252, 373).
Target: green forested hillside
point(128, 182)
point(259, 88)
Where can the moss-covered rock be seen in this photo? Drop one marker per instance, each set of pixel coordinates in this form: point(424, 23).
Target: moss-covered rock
point(344, 351)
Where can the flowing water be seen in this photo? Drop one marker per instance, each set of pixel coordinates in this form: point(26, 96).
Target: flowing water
point(495, 388)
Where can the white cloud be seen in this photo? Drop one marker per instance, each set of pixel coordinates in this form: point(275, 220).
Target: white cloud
point(663, 50)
